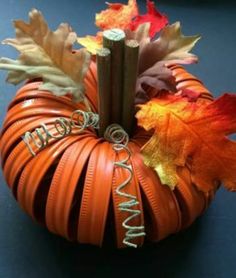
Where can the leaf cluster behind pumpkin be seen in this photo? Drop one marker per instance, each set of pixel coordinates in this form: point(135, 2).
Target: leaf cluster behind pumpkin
point(155, 56)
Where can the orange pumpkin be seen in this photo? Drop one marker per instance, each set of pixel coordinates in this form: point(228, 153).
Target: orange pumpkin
point(70, 185)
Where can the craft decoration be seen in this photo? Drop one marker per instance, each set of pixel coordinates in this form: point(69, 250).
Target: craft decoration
point(110, 144)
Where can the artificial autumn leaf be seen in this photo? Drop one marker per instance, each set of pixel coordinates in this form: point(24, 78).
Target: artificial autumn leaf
point(48, 55)
point(117, 15)
point(92, 43)
point(172, 46)
point(153, 16)
point(193, 134)
point(158, 77)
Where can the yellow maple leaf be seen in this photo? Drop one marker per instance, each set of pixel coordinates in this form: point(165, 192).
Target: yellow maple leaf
point(91, 43)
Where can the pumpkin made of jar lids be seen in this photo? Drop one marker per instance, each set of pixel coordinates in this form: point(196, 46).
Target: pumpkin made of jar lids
point(66, 155)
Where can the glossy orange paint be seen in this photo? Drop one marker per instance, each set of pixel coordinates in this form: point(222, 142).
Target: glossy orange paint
point(69, 186)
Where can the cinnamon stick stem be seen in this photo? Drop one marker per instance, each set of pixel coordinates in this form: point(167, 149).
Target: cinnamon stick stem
point(131, 55)
point(114, 40)
point(104, 85)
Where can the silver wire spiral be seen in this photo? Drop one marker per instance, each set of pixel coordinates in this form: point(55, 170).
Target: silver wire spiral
point(117, 135)
point(78, 121)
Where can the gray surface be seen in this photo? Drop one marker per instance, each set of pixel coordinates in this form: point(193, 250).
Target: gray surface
point(207, 249)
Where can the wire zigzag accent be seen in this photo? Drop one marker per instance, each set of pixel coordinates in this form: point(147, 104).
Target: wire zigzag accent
point(117, 135)
point(79, 120)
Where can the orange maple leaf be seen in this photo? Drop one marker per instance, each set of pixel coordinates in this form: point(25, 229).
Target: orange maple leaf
point(117, 15)
point(193, 134)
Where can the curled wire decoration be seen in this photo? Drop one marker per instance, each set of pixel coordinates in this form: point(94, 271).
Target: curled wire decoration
point(118, 136)
point(78, 121)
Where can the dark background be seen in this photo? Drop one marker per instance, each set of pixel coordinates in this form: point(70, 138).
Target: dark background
point(208, 248)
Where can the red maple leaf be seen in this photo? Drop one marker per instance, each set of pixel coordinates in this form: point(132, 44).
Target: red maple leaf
point(156, 19)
